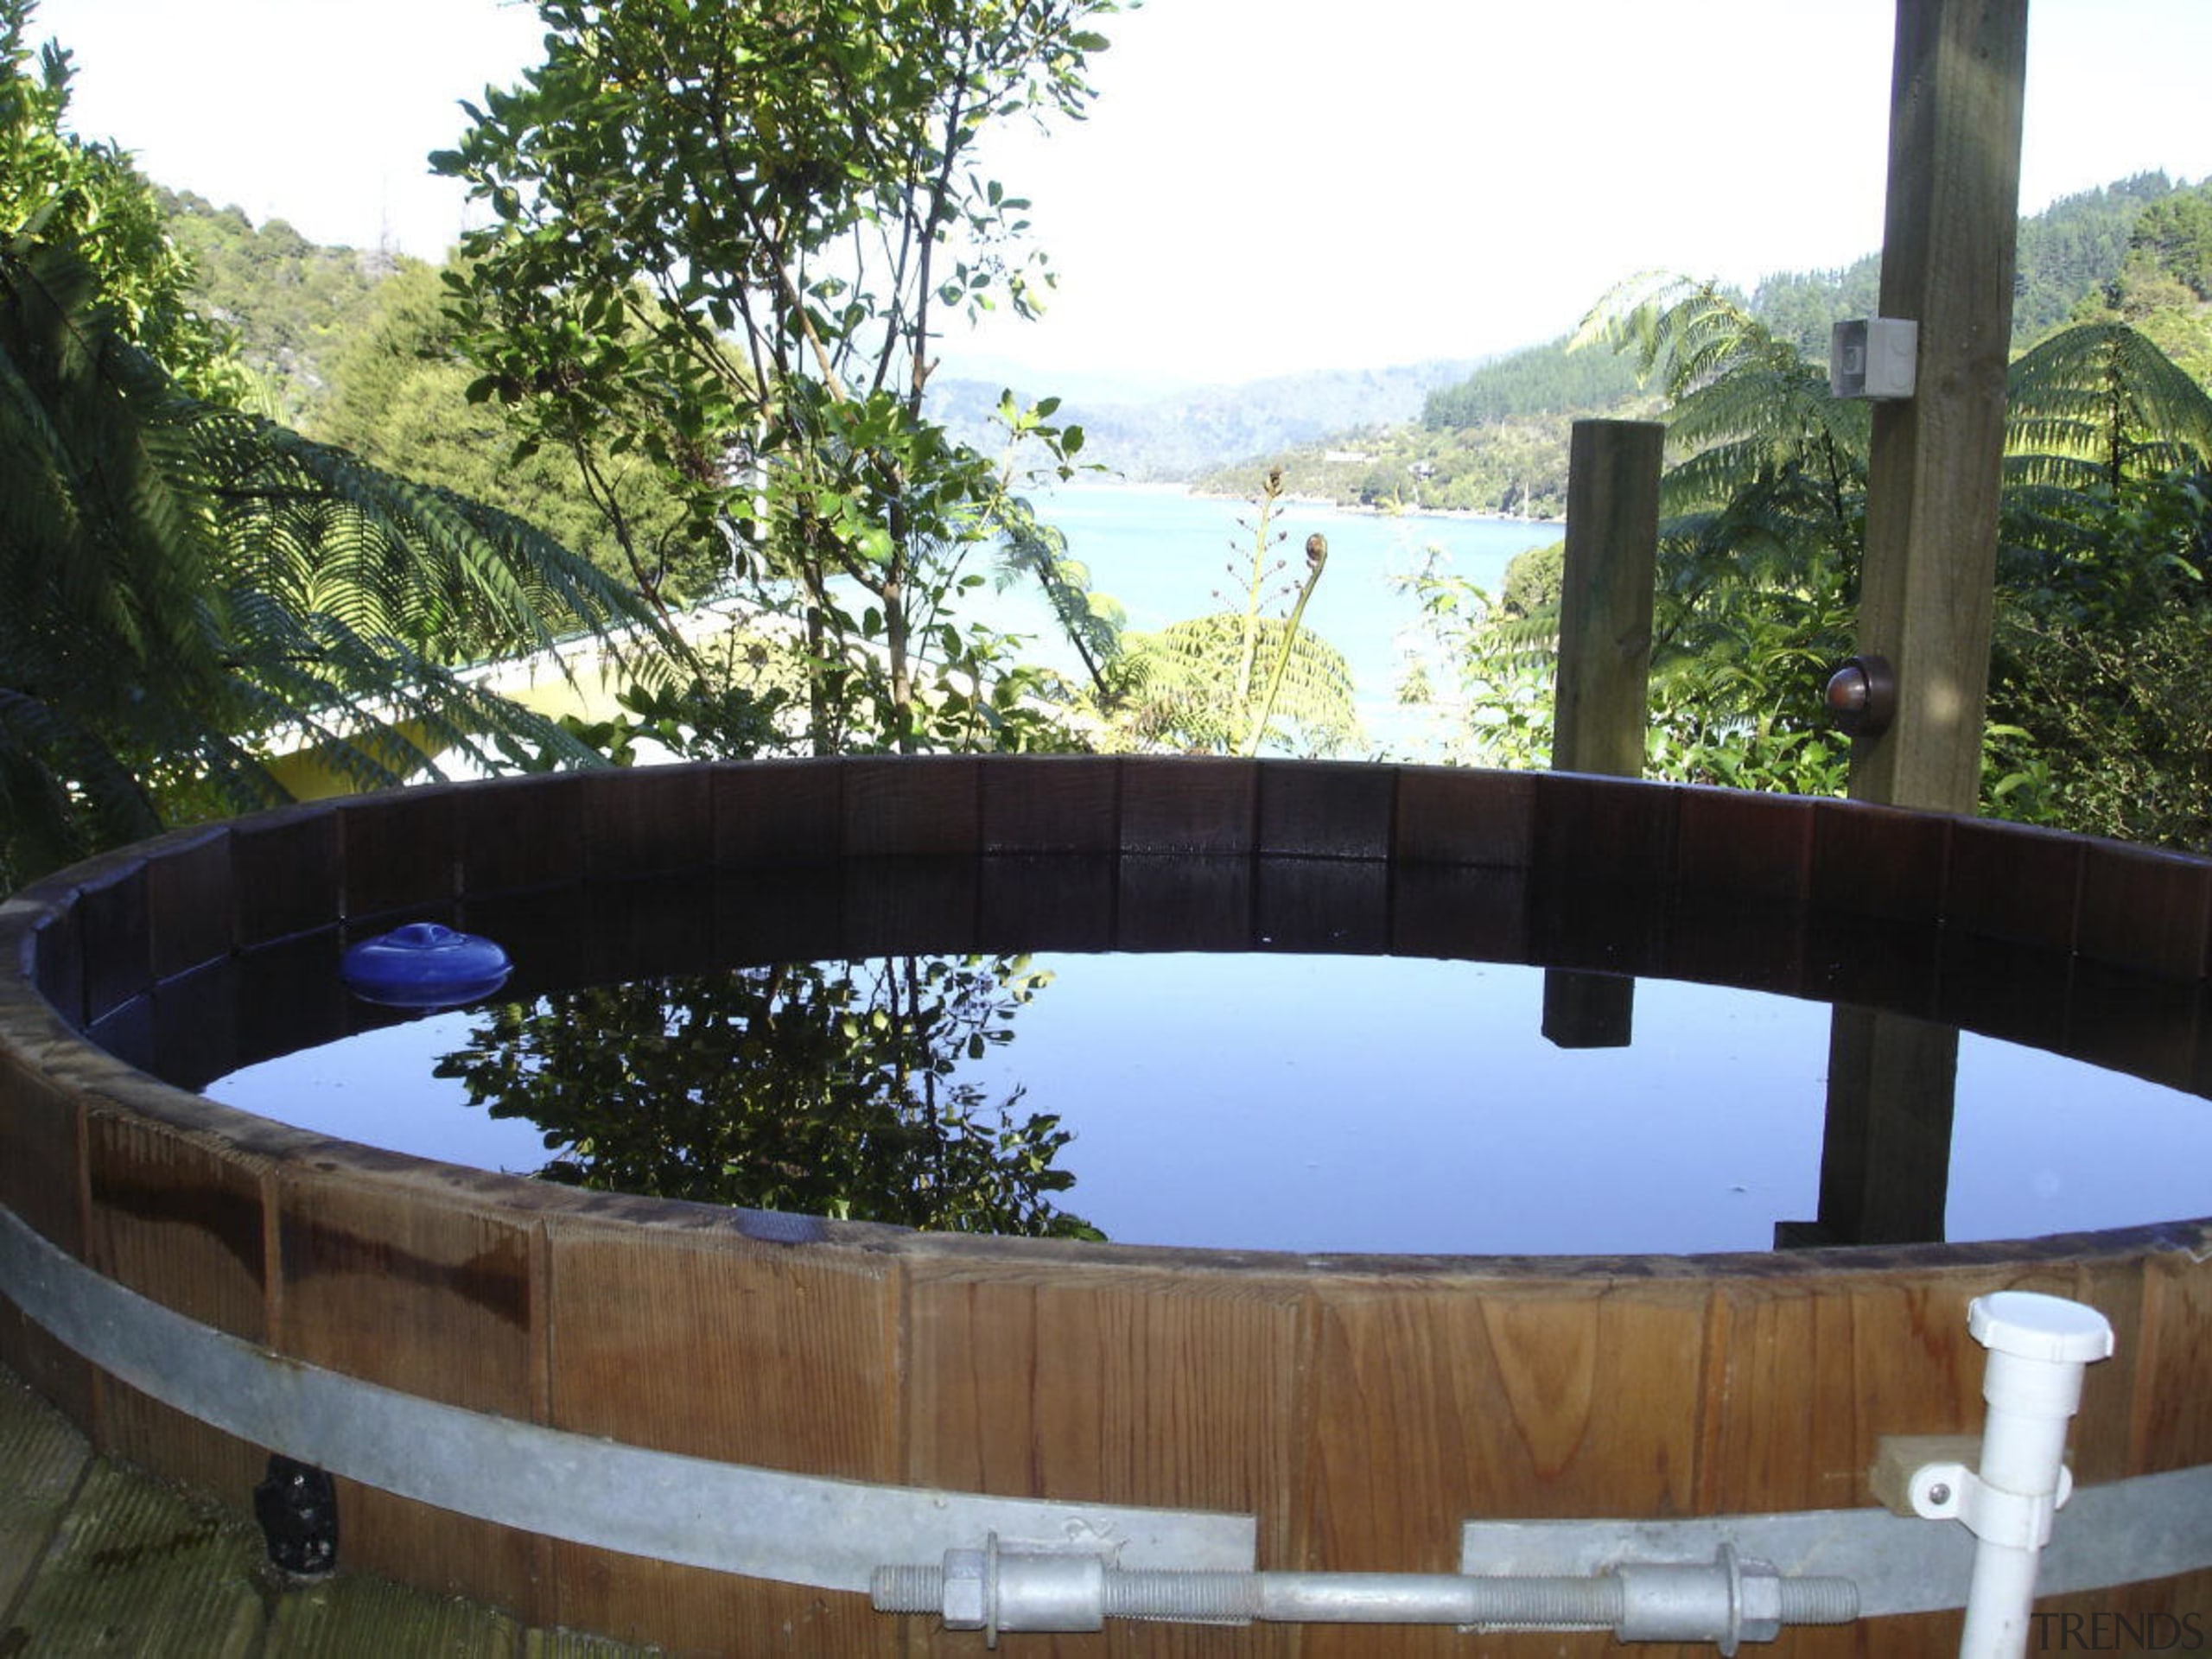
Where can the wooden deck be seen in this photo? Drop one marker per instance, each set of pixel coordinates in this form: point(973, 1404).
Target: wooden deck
point(98, 1557)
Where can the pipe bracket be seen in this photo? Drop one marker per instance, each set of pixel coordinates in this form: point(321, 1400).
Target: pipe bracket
point(1952, 1491)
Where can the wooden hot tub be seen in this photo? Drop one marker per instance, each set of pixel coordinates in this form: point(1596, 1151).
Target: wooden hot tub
point(1361, 1407)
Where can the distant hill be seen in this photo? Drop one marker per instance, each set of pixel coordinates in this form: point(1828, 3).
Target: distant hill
point(1480, 435)
point(1497, 441)
point(2068, 252)
point(290, 302)
point(1180, 434)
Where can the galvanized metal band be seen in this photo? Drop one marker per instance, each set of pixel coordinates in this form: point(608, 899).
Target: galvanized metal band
point(2121, 1532)
point(763, 1523)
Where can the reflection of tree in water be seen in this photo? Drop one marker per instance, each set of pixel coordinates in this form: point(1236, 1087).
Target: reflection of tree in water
point(826, 1088)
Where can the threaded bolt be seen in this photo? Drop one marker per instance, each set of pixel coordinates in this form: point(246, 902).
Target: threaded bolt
point(1167, 1594)
point(907, 1589)
point(1819, 1601)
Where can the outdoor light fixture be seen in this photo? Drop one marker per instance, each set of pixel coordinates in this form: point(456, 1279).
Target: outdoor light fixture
point(1862, 696)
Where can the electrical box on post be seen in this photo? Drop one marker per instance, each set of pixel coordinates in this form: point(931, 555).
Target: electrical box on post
point(1873, 357)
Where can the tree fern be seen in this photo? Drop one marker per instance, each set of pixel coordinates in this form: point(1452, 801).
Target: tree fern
point(2099, 405)
point(1174, 689)
point(1090, 621)
point(189, 583)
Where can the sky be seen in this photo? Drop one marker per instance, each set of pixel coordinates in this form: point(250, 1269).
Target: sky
point(1262, 186)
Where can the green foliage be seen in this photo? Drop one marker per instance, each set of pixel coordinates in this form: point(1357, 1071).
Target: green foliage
point(1238, 679)
point(1762, 520)
point(1799, 307)
point(1499, 711)
point(189, 583)
point(726, 238)
point(2075, 248)
point(1092, 621)
point(2100, 719)
point(1170, 692)
point(64, 190)
point(399, 398)
point(193, 581)
point(2174, 239)
point(824, 1088)
point(1534, 582)
point(2163, 285)
point(2100, 698)
point(286, 304)
point(2096, 406)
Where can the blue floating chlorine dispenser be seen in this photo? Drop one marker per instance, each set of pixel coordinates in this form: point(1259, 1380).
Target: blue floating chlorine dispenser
point(423, 965)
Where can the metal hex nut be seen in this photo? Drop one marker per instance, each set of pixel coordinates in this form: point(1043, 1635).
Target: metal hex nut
point(964, 1590)
point(1758, 1606)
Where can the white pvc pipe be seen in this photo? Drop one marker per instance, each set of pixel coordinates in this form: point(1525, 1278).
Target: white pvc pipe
point(2038, 1346)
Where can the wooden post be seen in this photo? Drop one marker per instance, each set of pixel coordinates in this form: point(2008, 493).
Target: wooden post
point(1604, 667)
point(1927, 588)
point(1605, 623)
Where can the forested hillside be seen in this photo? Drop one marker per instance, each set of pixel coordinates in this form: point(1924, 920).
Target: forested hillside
point(346, 359)
point(2072, 248)
point(291, 303)
point(2134, 250)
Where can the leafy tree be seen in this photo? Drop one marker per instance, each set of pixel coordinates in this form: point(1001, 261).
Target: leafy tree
point(2163, 287)
point(1761, 520)
point(2075, 247)
point(64, 190)
point(727, 236)
point(828, 1089)
point(399, 398)
point(189, 582)
point(2101, 717)
point(1092, 621)
point(1499, 712)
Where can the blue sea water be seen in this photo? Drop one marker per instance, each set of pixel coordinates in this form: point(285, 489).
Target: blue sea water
point(1165, 556)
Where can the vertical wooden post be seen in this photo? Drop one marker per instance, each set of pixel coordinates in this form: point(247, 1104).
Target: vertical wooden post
point(1604, 666)
point(1605, 624)
point(1928, 588)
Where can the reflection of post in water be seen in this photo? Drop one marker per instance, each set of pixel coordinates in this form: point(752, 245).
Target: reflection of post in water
point(1589, 1010)
point(1604, 666)
point(1885, 1152)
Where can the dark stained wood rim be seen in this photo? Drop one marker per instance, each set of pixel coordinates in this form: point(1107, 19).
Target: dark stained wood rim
point(78, 948)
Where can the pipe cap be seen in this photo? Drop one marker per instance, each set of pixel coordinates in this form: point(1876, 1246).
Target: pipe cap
point(2035, 1326)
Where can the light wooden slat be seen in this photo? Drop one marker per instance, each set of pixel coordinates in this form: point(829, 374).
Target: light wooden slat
point(1114, 1385)
point(406, 1282)
point(700, 1341)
